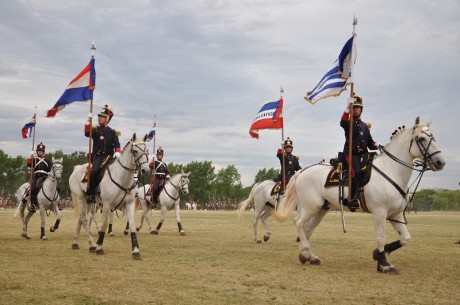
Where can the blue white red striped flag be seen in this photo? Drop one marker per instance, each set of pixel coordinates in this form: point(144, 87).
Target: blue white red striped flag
point(152, 132)
point(269, 117)
point(28, 128)
point(338, 77)
point(80, 89)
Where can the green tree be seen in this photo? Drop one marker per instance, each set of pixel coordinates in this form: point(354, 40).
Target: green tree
point(201, 181)
point(266, 174)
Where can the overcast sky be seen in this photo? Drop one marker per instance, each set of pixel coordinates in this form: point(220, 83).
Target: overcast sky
point(205, 68)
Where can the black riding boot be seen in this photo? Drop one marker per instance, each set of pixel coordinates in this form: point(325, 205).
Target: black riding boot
point(90, 197)
point(354, 202)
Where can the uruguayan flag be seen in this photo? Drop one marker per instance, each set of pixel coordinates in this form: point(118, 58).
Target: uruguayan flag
point(338, 77)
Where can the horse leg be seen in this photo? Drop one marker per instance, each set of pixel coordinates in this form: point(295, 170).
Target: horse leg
point(162, 219)
point(305, 253)
point(25, 221)
point(263, 218)
point(309, 228)
point(255, 219)
point(135, 254)
point(126, 231)
point(111, 224)
point(143, 215)
point(379, 253)
point(58, 219)
point(101, 233)
point(42, 223)
point(179, 225)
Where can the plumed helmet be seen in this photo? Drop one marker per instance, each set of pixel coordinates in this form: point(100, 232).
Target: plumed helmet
point(160, 151)
point(288, 143)
point(358, 101)
point(41, 147)
point(106, 112)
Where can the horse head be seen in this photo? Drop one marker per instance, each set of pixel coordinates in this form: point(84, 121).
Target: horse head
point(424, 147)
point(57, 168)
point(139, 154)
point(184, 183)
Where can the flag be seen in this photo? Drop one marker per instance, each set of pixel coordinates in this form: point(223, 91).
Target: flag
point(269, 117)
point(338, 77)
point(28, 128)
point(80, 89)
point(152, 132)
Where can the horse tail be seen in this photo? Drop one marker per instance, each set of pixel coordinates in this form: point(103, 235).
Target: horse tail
point(289, 201)
point(244, 204)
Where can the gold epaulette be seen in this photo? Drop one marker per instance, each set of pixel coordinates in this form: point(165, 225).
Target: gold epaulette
point(117, 132)
point(368, 125)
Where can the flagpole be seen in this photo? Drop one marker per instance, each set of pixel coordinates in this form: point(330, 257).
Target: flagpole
point(153, 165)
point(32, 163)
point(93, 48)
point(350, 111)
point(283, 178)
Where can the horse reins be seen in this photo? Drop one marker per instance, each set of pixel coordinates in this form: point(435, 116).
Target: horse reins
point(179, 189)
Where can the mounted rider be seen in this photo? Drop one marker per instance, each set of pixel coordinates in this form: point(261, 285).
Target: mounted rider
point(105, 145)
point(289, 163)
point(161, 174)
point(41, 168)
point(362, 140)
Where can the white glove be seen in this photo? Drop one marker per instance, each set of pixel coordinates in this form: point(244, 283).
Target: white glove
point(116, 155)
point(351, 100)
point(168, 176)
point(32, 153)
point(90, 116)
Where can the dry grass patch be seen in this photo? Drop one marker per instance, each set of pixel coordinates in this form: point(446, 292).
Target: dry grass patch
point(217, 262)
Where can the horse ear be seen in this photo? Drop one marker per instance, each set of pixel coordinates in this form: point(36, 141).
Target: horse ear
point(134, 137)
point(145, 137)
point(52, 158)
point(417, 120)
point(429, 123)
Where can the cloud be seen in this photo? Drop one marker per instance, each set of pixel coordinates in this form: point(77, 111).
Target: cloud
point(204, 68)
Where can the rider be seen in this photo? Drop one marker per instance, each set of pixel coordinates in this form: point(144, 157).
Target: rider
point(290, 165)
point(105, 145)
point(41, 168)
point(362, 140)
point(161, 174)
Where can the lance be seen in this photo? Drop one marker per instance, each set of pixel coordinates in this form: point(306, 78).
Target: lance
point(154, 169)
point(350, 111)
point(93, 48)
point(283, 173)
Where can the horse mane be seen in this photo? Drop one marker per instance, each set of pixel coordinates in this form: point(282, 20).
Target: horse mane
point(397, 132)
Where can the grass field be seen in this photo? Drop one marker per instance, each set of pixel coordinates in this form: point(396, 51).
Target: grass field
point(217, 262)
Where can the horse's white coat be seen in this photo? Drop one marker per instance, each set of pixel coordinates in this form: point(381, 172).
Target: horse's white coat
point(306, 190)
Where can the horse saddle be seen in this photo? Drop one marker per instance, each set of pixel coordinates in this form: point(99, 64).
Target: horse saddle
point(276, 188)
point(333, 178)
point(101, 174)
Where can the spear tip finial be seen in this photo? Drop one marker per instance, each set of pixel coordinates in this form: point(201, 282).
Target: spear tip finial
point(93, 48)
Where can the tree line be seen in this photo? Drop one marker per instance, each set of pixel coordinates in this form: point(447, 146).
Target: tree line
point(206, 184)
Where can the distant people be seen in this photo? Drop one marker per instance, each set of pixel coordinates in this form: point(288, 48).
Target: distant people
point(289, 163)
point(105, 146)
point(161, 174)
point(41, 168)
point(362, 140)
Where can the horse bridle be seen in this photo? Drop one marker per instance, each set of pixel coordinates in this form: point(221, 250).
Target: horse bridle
point(180, 189)
point(424, 150)
point(53, 178)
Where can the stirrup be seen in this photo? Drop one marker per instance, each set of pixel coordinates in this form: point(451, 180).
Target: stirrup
point(91, 199)
point(32, 207)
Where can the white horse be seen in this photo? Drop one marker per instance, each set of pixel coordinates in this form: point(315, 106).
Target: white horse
point(145, 201)
point(194, 206)
point(47, 199)
point(117, 191)
point(188, 205)
point(264, 206)
point(385, 195)
point(170, 198)
point(98, 208)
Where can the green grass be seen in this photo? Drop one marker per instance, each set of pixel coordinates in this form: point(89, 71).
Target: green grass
point(217, 262)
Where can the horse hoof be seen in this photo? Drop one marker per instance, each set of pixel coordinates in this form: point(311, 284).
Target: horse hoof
point(125, 232)
point(387, 269)
point(75, 247)
point(297, 239)
point(100, 252)
point(315, 261)
point(92, 249)
point(24, 235)
point(136, 255)
point(182, 233)
point(111, 234)
point(303, 259)
point(266, 238)
point(154, 232)
point(44, 238)
point(138, 229)
point(52, 229)
point(258, 241)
